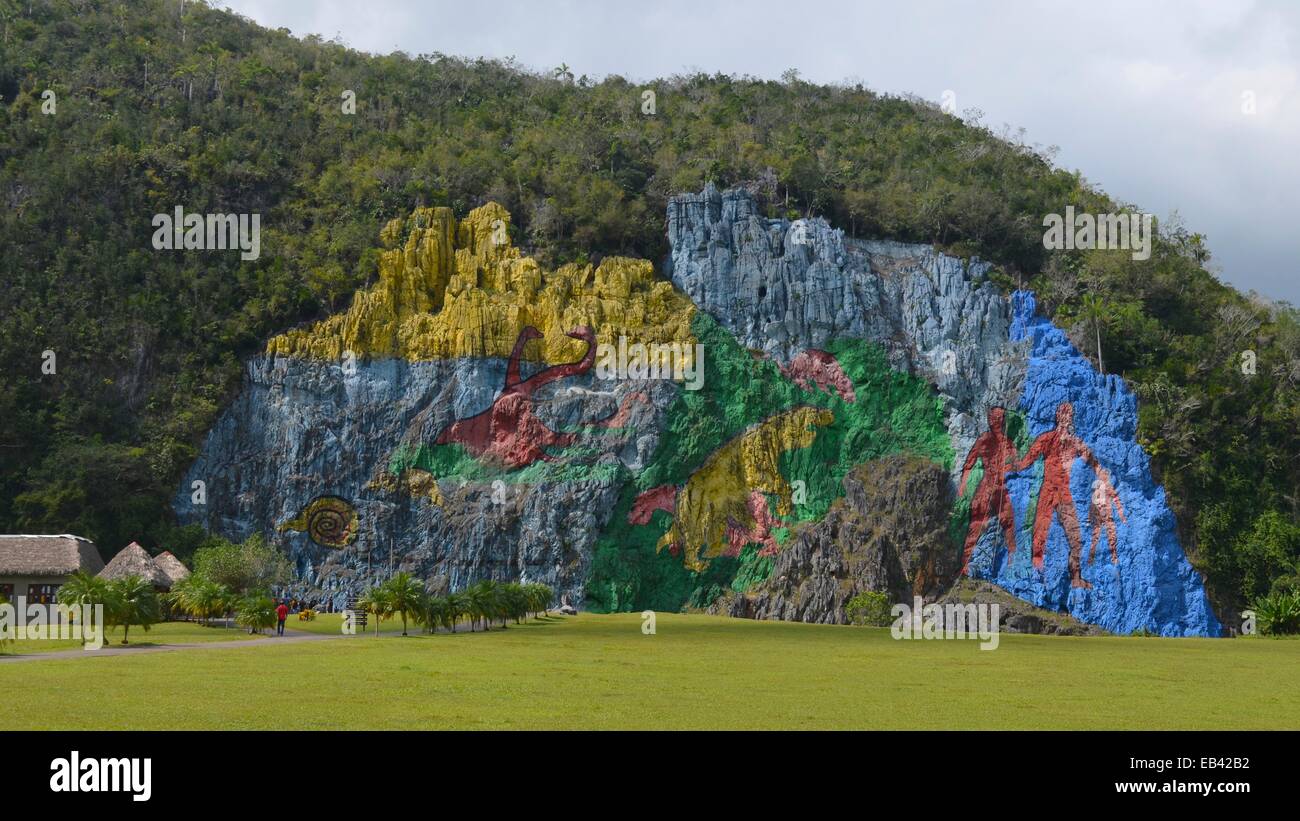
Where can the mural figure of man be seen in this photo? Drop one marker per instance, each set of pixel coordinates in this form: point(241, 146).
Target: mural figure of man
point(1101, 513)
point(1058, 448)
point(999, 455)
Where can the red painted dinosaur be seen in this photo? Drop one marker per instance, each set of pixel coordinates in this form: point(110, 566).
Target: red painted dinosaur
point(510, 431)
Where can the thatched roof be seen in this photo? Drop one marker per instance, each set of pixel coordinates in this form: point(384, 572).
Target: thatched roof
point(171, 566)
point(48, 556)
point(134, 560)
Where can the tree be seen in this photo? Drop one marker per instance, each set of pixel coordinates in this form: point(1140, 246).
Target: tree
point(514, 602)
point(405, 595)
point(80, 589)
point(1093, 309)
point(539, 597)
point(199, 597)
point(871, 608)
point(256, 612)
point(132, 600)
point(252, 565)
point(375, 601)
point(435, 613)
point(1278, 613)
point(456, 608)
point(484, 602)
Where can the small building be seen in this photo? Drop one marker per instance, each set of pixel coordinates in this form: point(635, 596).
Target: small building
point(134, 560)
point(35, 567)
point(171, 567)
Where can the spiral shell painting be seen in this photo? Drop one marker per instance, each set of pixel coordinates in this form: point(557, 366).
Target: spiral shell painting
point(329, 521)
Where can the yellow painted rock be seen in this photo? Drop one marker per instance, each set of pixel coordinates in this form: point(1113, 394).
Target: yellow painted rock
point(448, 289)
point(719, 491)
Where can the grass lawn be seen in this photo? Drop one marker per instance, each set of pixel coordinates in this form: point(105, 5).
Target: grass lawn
point(595, 671)
point(172, 632)
point(331, 624)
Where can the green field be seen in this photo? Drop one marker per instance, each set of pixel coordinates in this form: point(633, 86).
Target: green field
point(595, 671)
point(172, 632)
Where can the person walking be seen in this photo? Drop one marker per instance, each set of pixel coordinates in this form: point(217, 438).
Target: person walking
point(282, 613)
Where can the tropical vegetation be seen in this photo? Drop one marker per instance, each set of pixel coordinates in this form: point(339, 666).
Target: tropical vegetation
point(159, 104)
point(480, 605)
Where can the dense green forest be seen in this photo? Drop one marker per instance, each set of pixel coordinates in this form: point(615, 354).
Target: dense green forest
point(158, 103)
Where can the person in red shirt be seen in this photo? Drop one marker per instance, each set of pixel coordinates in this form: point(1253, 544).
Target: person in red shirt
point(282, 612)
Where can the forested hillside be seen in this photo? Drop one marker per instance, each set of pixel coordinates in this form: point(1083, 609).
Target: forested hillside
point(159, 103)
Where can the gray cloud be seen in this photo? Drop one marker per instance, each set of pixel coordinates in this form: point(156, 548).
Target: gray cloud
point(1145, 99)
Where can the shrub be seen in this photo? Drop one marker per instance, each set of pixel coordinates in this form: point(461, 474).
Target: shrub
point(1278, 614)
point(870, 609)
point(256, 612)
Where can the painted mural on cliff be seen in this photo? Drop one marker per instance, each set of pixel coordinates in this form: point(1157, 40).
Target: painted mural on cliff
point(455, 408)
point(1084, 484)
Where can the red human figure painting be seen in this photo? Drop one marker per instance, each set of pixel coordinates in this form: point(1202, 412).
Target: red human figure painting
point(998, 454)
point(1101, 513)
point(510, 431)
point(814, 368)
point(1058, 448)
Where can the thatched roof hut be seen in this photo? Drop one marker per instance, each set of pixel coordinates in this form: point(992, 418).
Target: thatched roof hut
point(134, 560)
point(171, 566)
point(48, 556)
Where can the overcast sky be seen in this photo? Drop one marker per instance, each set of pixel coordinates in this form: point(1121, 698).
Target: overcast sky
point(1149, 100)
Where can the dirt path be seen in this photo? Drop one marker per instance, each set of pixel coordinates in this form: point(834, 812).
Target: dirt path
point(290, 637)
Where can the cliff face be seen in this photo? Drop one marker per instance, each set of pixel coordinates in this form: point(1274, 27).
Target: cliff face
point(889, 533)
point(1132, 572)
point(352, 409)
point(784, 287)
point(453, 423)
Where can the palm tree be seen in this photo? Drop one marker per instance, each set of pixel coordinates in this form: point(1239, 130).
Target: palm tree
point(200, 598)
point(215, 599)
point(375, 601)
point(514, 602)
point(456, 607)
point(435, 608)
point(182, 598)
point(82, 589)
point(1093, 309)
point(131, 600)
point(256, 612)
point(482, 600)
point(539, 597)
point(405, 595)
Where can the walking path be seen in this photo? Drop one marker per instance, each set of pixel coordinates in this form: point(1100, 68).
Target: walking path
point(291, 637)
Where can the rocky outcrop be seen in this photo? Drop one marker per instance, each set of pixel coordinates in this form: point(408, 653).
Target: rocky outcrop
point(784, 287)
point(1133, 574)
point(1015, 615)
point(314, 425)
point(448, 289)
point(889, 534)
point(452, 423)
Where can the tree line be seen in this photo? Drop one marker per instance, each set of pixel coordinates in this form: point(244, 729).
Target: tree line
point(480, 604)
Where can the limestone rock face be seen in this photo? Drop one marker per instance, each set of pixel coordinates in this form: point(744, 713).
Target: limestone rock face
point(450, 423)
point(1146, 583)
point(889, 533)
point(302, 429)
point(785, 287)
point(449, 289)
